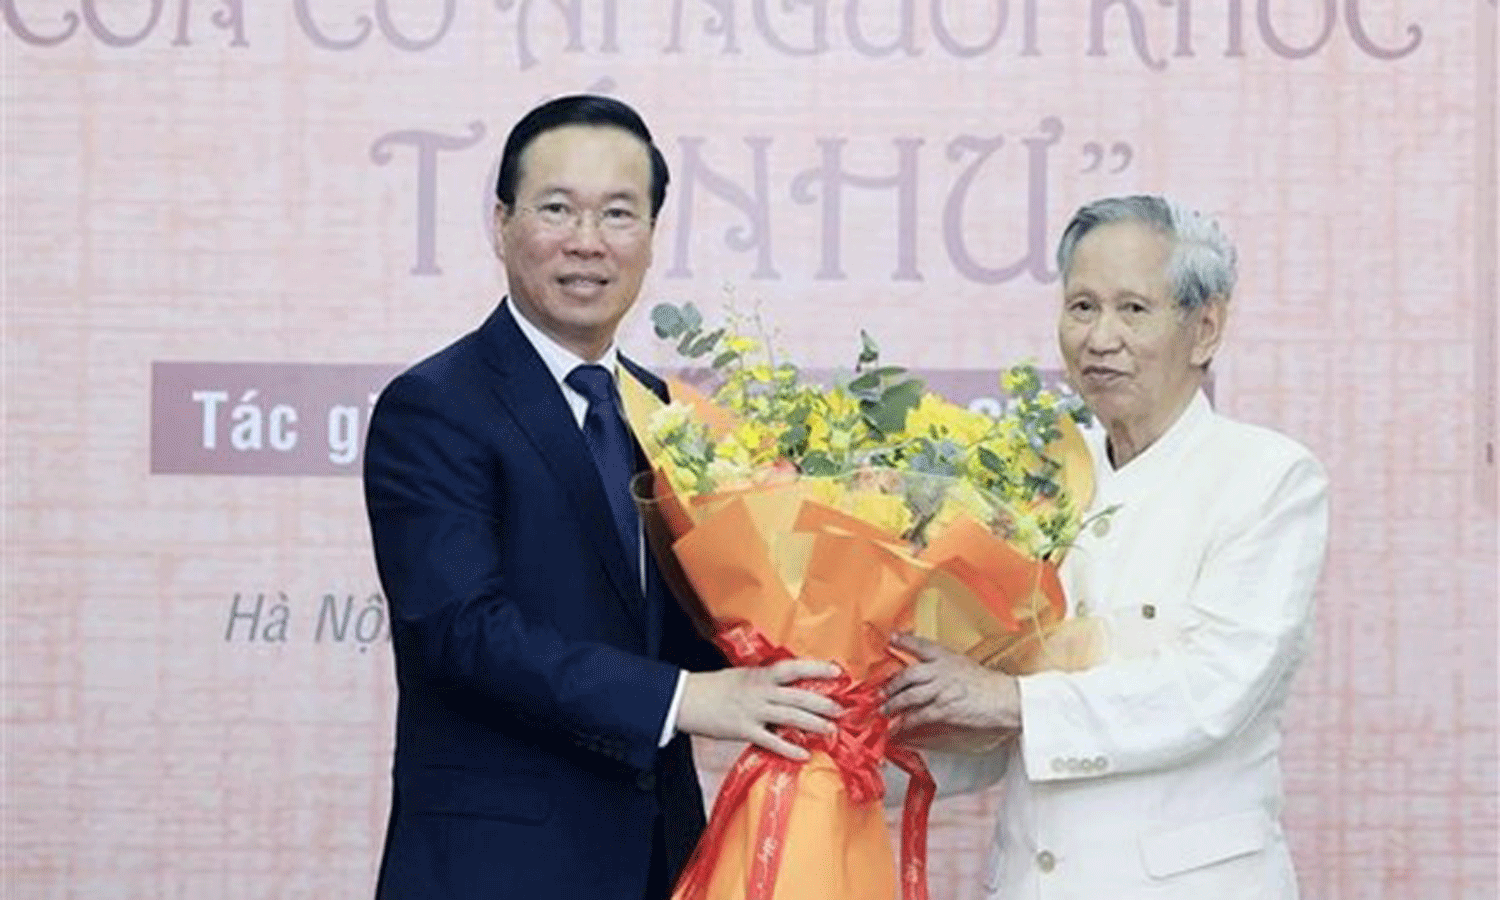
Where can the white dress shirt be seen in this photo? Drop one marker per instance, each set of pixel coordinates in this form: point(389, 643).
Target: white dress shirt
point(561, 361)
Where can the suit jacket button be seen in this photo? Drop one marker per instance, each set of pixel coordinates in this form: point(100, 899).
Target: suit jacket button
point(1148, 611)
point(1046, 861)
point(646, 781)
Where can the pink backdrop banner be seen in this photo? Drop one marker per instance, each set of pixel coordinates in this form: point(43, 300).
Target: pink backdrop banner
point(226, 224)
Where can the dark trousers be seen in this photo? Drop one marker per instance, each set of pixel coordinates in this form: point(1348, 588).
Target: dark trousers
point(657, 885)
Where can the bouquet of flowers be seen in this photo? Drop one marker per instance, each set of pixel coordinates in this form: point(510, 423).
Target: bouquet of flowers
point(793, 519)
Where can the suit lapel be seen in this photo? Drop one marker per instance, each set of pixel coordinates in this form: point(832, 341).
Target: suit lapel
point(536, 404)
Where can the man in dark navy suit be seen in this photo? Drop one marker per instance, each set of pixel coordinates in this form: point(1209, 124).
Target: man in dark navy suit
point(547, 682)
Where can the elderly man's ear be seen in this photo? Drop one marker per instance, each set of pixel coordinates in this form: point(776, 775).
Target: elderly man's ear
point(1208, 327)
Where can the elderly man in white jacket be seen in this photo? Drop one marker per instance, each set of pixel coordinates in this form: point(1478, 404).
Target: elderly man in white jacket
point(1152, 775)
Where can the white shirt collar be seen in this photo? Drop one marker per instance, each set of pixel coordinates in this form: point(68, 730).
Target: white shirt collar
point(1155, 464)
point(559, 359)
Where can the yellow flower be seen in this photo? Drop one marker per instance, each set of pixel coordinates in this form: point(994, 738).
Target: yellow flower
point(935, 417)
point(741, 344)
point(750, 443)
point(839, 406)
point(817, 433)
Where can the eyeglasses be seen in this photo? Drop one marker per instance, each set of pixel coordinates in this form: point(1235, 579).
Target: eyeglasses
point(614, 221)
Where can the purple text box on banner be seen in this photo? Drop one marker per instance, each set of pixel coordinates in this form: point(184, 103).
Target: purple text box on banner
point(232, 418)
point(227, 418)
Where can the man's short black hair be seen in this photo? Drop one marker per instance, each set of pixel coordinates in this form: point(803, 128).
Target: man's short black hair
point(577, 109)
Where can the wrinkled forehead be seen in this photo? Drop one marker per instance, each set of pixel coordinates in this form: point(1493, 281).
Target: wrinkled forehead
point(1121, 253)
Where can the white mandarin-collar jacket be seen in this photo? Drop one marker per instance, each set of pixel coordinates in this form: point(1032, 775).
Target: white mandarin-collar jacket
point(1154, 774)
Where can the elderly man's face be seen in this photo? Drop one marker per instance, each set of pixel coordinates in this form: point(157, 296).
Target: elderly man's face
point(1129, 352)
point(578, 242)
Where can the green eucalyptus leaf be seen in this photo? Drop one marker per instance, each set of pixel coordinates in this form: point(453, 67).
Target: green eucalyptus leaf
point(1041, 485)
point(725, 358)
point(818, 464)
point(868, 382)
point(884, 418)
point(907, 394)
point(667, 320)
point(990, 460)
point(705, 343)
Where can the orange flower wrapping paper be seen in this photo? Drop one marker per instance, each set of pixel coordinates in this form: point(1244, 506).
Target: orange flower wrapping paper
point(778, 571)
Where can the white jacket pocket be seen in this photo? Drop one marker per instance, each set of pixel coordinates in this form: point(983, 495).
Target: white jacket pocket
point(1205, 843)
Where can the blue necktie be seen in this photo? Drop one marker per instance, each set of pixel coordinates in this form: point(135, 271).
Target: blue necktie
point(605, 432)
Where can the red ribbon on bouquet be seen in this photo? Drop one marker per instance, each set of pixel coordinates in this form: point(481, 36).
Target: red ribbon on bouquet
point(858, 748)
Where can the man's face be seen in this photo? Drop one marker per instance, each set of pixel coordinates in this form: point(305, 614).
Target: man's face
point(1130, 353)
point(578, 242)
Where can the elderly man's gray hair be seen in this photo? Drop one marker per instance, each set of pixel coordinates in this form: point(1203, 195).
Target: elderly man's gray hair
point(1202, 264)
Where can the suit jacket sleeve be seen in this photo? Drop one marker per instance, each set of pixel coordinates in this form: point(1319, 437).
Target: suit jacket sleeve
point(431, 493)
point(1246, 625)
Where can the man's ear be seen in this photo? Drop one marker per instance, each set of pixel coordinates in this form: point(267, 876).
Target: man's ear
point(498, 218)
point(1208, 330)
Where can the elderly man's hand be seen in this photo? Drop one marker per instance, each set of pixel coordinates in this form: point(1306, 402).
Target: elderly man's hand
point(742, 704)
point(944, 691)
